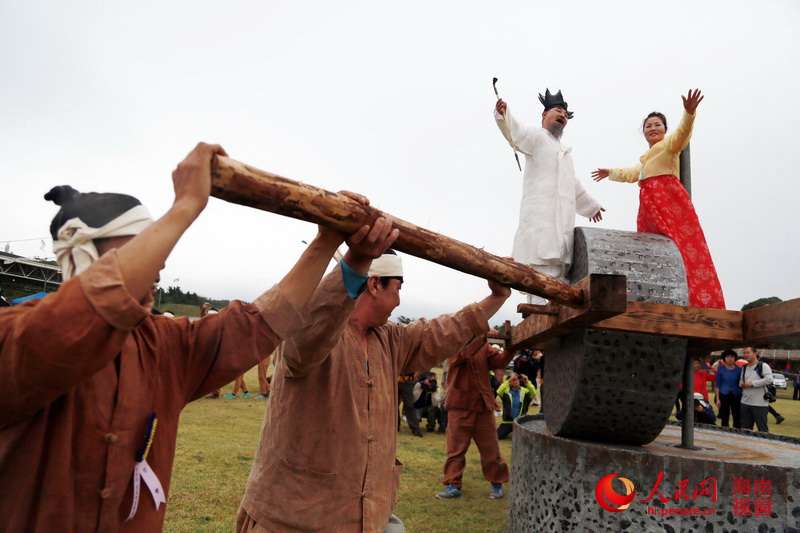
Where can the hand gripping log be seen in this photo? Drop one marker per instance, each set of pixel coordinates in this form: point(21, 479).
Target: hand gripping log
point(241, 184)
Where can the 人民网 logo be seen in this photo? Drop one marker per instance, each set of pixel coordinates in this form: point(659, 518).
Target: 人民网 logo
point(611, 500)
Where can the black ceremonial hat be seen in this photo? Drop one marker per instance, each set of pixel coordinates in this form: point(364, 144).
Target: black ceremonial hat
point(549, 101)
point(94, 209)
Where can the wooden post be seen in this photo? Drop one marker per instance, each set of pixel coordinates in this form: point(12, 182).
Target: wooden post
point(241, 184)
point(685, 169)
point(687, 426)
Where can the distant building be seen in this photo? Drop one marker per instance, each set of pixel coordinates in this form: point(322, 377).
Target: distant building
point(21, 276)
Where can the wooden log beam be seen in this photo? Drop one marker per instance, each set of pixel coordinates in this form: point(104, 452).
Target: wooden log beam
point(677, 321)
point(606, 297)
point(535, 309)
point(772, 324)
point(238, 183)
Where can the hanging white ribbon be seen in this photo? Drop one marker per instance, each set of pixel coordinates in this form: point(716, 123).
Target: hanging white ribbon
point(143, 472)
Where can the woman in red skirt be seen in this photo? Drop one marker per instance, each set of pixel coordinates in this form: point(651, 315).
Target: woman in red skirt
point(664, 205)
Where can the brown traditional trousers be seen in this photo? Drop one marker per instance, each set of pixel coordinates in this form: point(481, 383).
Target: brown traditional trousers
point(263, 379)
point(462, 426)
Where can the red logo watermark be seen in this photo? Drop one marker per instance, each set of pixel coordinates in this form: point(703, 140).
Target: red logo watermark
point(749, 497)
point(611, 500)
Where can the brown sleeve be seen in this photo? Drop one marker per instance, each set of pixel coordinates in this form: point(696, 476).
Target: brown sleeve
point(325, 317)
point(499, 360)
point(206, 354)
point(424, 343)
point(50, 346)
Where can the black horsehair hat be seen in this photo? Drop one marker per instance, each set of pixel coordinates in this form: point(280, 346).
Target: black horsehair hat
point(94, 209)
point(549, 101)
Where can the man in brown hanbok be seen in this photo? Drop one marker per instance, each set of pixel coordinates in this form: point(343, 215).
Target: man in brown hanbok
point(470, 416)
point(88, 371)
point(332, 467)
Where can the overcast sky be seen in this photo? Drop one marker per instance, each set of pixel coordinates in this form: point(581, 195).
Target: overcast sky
point(394, 101)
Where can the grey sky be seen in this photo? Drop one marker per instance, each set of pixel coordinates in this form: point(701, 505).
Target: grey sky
point(394, 101)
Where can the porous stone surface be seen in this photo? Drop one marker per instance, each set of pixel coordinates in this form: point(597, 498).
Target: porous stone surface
point(613, 386)
point(553, 482)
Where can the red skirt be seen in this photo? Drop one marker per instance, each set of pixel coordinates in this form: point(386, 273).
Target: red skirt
point(665, 209)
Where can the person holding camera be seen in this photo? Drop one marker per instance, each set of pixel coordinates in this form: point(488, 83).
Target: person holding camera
point(515, 394)
point(755, 382)
point(425, 402)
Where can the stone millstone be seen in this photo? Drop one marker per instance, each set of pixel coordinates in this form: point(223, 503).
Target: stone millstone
point(611, 386)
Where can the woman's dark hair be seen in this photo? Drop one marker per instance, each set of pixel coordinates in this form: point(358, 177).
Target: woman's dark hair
point(728, 352)
point(656, 114)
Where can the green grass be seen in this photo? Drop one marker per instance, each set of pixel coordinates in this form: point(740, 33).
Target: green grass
point(216, 443)
point(217, 440)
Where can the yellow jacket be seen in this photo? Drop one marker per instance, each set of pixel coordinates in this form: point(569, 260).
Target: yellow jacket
point(662, 158)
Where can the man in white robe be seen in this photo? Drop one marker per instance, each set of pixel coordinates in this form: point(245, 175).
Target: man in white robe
point(551, 193)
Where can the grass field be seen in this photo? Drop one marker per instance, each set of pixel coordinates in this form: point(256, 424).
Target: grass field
point(217, 439)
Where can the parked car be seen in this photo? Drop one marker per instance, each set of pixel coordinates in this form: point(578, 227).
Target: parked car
point(779, 380)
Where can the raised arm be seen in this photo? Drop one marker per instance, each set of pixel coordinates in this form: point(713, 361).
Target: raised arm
point(520, 138)
point(329, 309)
point(679, 139)
point(424, 343)
point(499, 358)
point(48, 348)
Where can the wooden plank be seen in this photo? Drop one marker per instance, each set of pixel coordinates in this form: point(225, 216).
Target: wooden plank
point(677, 321)
point(607, 294)
point(772, 324)
point(238, 183)
point(534, 309)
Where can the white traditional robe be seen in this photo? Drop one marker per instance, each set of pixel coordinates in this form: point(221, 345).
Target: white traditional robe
point(551, 194)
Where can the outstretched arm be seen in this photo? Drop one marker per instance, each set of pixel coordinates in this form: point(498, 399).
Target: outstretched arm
point(425, 343)
point(628, 175)
point(329, 309)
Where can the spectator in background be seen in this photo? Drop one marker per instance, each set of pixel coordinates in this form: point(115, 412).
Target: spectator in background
point(405, 394)
point(424, 401)
point(538, 356)
point(239, 385)
point(442, 400)
point(754, 380)
point(703, 413)
point(702, 377)
point(516, 395)
point(727, 393)
point(796, 392)
point(771, 410)
point(527, 364)
point(263, 379)
point(206, 310)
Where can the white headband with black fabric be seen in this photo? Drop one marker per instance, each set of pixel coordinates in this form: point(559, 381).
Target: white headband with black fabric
point(74, 247)
point(387, 265)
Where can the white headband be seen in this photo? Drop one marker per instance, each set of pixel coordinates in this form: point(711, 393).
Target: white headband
point(387, 265)
point(74, 247)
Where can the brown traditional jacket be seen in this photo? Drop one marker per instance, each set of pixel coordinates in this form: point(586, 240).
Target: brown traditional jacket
point(81, 372)
point(326, 461)
point(468, 378)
